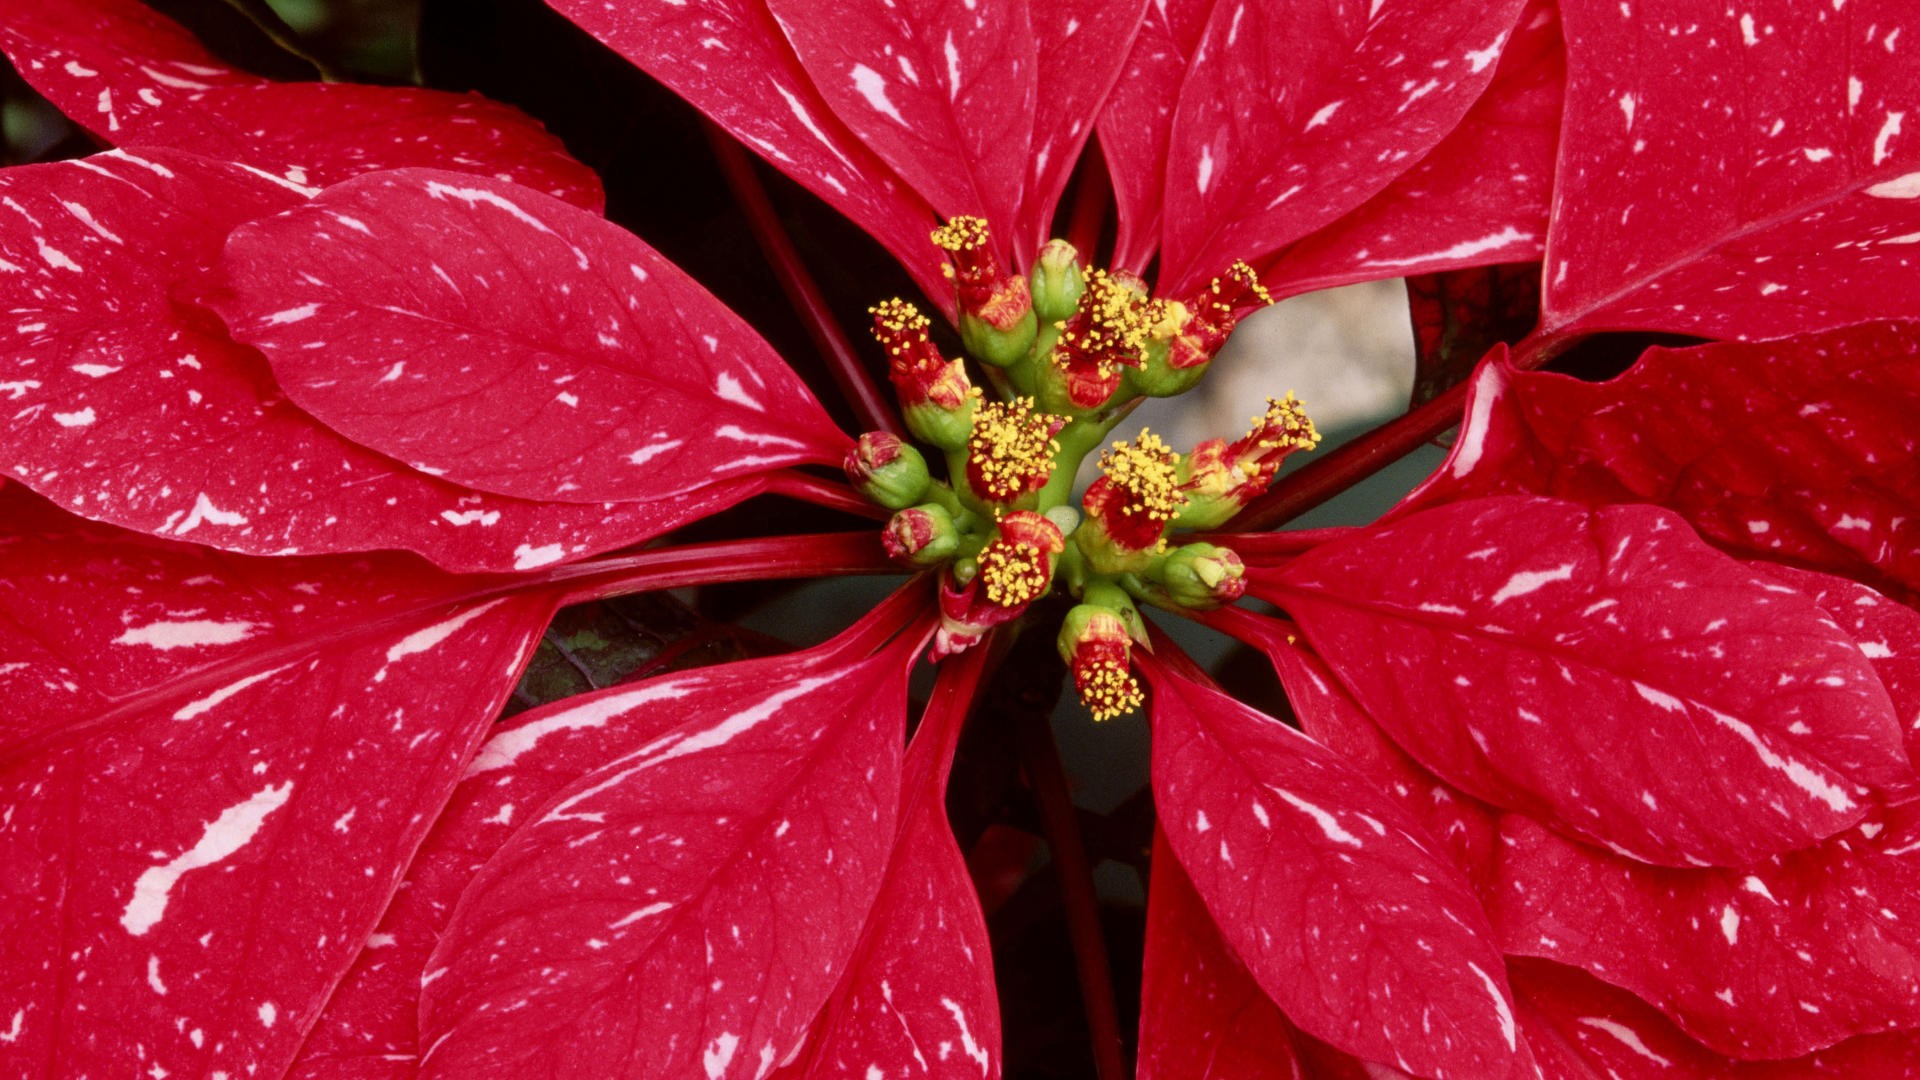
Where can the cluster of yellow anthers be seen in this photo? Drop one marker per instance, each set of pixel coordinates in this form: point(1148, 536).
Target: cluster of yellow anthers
point(1148, 470)
point(1285, 426)
point(962, 234)
point(1107, 688)
point(1225, 290)
point(1014, 574)
point(1111, 326)
point(1011, 449)
point(901, 328)
point(1070, 351)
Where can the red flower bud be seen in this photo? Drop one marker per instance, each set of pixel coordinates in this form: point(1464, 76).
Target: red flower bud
point(1010, 451)
point(1097, 649)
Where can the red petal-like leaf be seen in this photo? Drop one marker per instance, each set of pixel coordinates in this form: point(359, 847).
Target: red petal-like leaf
point(1773, 960)
point(942, 93)
point(130, 408)
point(684, 909)
point(136, 79)
point(1082, 47)
point(1479, 197)
point(1609, 672)
point(1350, 98)
point(513, 343)
point(1582, 1029)
point(370, 1027)
point(724, 56)
point(1806, 448)
point(1887, 632)
point(196, 854)
point(1350, 923)
point(110, 64)
point(1455, 824)
point(1137, 123)
point(1202, 1017)
point(918, 997)
point(1738, 172)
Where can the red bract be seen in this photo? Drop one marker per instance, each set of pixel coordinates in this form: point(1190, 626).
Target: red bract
point(1360, 933)
point(792, 127)
point(1566, 679)
point(447, 361)
point(1202, 1016)
point(254, 738)
point(134, 408)
point(1602, 759)
point(1479, 196)
point(739, 851)
point(1766, 193)
point(135, 79)
point(1802, 449)
point(920, 979)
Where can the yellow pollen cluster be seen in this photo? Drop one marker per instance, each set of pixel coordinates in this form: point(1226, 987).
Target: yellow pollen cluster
point(1011, 448)
point(961, 234)
point(1148, 471)
point(1107, 688)
point(1285, 426)
point(1112, 322)
point(1246, 276)
point(898, 318)
point(1013, 573)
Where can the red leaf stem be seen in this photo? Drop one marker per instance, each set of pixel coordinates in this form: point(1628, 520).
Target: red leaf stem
point(1091, 197)
point(760, 559)
point(870, 403)
point(1267, 547)
point(819, 492)
point(1242, 625)
point(1041, 759)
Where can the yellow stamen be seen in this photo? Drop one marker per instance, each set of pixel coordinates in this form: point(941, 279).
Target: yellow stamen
point(1285, 426)
point(897, 317)
point(1107, 688)
point(1013, 573)
point(962, 234)
point(1113, 323)
point(1011, 449)
point(1148, 471)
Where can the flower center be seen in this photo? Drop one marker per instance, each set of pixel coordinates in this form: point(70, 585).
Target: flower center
point(1067, 353)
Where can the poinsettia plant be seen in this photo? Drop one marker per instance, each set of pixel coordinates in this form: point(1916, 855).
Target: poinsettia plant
point(1595, 752)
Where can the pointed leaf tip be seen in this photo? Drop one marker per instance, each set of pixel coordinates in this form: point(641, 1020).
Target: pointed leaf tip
point(1360, 933)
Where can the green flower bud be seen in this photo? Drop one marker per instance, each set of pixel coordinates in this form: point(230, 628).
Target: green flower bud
point(887, 471)
point(1200, 576)
point(921, 536)
point(1057, 282)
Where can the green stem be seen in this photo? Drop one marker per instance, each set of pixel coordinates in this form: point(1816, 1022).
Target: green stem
point(1078, 439)
point(940, 494)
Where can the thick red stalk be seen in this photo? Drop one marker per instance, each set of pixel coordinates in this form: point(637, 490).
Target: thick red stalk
point(1268, 545)
point(1239, 623)
point(762, 559)
point(819, 492)
point(870, 403)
